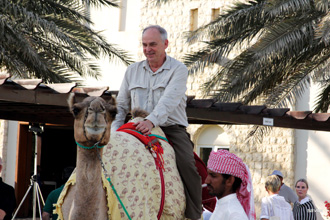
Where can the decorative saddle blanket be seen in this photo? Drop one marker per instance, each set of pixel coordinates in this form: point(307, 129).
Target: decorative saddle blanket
point(137, 180)
point(135, 176)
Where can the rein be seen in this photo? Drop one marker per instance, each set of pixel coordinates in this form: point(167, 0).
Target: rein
point(96, 145)
point(111, 184)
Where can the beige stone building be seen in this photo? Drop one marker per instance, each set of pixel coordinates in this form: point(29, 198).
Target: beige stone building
point(277, 152)
point(294, 152)
point(298, 154)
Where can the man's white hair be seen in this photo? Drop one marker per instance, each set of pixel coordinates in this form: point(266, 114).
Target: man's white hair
point(162, 31)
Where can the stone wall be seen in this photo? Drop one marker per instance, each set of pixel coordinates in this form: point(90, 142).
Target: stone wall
point(276, 152)
point(277, 149)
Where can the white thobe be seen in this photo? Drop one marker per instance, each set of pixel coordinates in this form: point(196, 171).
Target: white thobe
point(227, 208)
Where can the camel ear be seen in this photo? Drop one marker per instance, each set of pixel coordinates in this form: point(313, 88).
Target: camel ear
point(112, 106)
point(74, 108)
point(71, 100)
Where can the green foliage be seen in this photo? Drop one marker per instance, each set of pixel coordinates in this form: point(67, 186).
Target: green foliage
point(284, 45)
point(52, 40)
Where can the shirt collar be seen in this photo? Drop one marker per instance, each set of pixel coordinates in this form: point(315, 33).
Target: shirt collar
point(166, 65)
point(304, 200)
point(227, 198)
point(273, 195)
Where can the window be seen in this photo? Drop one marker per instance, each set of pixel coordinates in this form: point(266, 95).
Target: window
point(122, 15)
point(193, 19)
point(211, 138)
point(215, 13)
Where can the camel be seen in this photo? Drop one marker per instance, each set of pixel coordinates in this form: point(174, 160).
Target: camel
point(130, 185)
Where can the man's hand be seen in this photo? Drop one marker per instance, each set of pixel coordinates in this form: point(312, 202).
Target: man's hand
point(144, 126)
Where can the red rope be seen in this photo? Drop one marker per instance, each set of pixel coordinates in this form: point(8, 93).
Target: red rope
point(162, 201)
point(154, 146)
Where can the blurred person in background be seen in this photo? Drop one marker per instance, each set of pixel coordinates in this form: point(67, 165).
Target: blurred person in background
point(52, 198)
point(274, 206)
point(7, 199)
point(285, 191)
point(303, 209)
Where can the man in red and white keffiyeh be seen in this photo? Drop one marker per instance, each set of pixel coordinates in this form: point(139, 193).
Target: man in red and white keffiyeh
point(229, 179)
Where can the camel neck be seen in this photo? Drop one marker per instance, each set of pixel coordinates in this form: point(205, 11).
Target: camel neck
point(89, 186)
point(88, 165)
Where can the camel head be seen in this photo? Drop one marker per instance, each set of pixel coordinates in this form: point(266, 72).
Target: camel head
point(93, 117)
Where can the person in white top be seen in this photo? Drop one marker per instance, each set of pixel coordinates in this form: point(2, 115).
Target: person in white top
point(274, 206)
point(229, 180)
point(285, 191)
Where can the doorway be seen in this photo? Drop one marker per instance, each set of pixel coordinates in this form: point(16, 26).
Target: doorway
point(56, 150)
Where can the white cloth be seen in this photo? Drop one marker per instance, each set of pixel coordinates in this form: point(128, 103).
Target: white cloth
point(304, 200)
point(161, 93)
point(227, 208)
point(206, 214)
point(275, 205)
point(289, 195)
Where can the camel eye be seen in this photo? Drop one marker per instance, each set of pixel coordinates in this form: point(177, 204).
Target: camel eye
point(75, 111)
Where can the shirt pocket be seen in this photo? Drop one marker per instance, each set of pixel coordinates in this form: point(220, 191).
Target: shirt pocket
point(158, 91)
point(139, 95)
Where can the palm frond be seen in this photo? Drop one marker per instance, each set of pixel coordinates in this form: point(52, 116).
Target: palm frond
point(322, 5)
point(228, 32)
point(322, 31)
point(207, 56)
point(269, 62)
point(101, 3)
point(236, 21)
point(53, 40)
point(257, 133)
point(323, 99)
point(279, 9)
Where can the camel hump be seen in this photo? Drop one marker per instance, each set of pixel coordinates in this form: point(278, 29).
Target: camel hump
point(138, 112)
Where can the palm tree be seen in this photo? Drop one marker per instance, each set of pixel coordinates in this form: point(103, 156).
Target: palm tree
point(52, 40)
point(284, 46)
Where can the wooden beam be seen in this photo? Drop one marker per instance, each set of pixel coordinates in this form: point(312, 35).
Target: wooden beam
point(213, 116)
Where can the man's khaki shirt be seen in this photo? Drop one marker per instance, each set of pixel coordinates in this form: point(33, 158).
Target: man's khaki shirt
point(161, 93)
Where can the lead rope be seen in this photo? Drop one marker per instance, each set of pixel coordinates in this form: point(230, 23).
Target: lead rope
point(112, 186)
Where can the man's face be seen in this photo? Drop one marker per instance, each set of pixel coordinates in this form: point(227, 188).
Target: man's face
point(281, 178)
point(215, 184)
point(153, 46)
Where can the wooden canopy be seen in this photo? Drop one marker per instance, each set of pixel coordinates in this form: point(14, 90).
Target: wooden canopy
point(33, 101)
